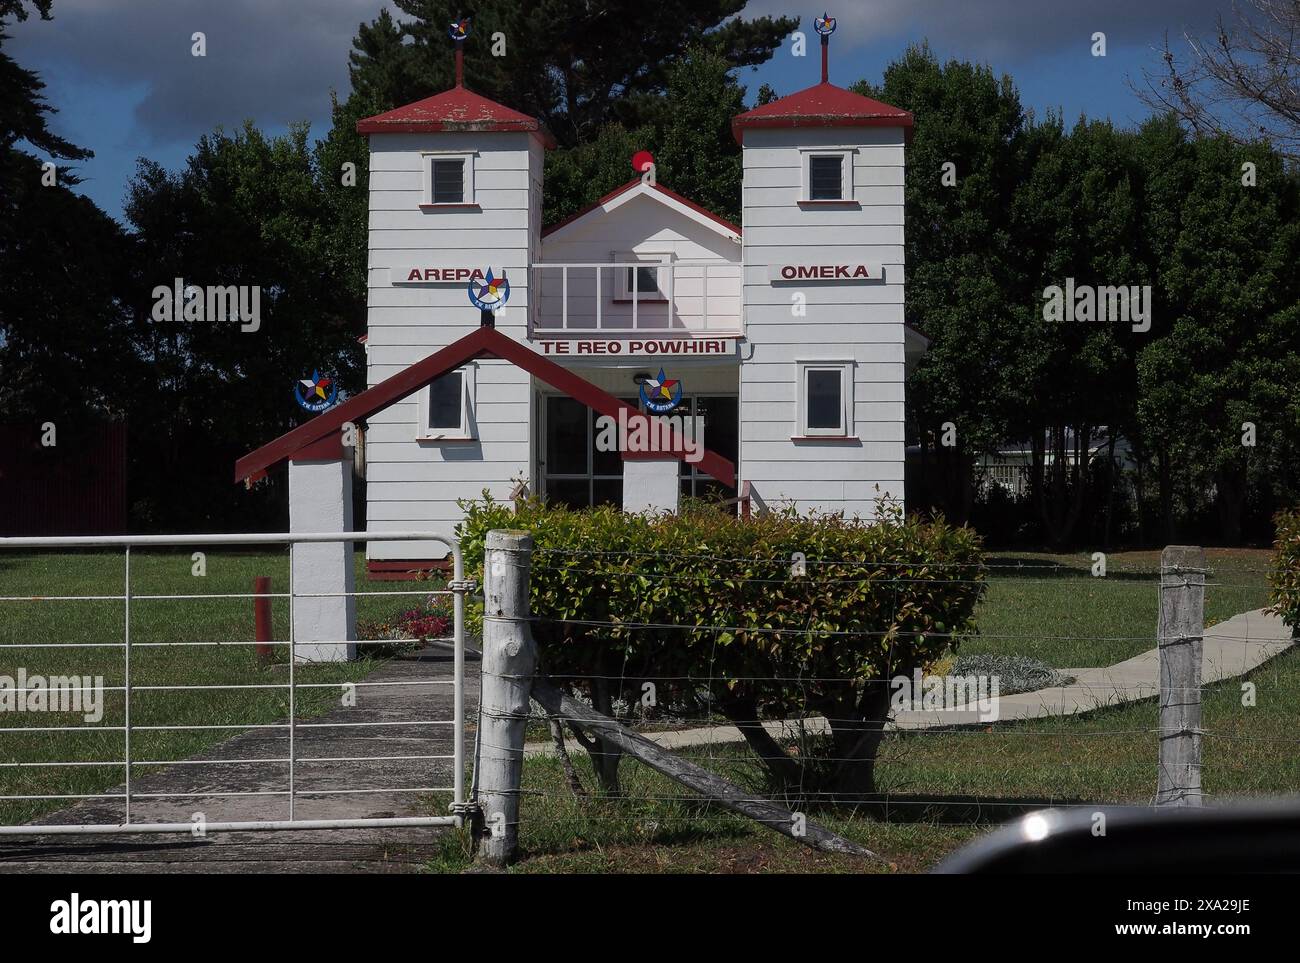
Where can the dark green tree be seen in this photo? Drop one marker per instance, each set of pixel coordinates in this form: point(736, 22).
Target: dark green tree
point(576, 65)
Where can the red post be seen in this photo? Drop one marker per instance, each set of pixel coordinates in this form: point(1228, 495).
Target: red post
point(460, 66)
point(826, 46)
point(262, 617)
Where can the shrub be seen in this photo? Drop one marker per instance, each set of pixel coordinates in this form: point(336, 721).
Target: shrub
point(702, 600)
point(411, 629)
point(1284, 579)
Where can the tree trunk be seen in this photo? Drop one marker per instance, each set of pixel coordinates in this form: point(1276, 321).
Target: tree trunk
point(1231, 491)
point(1166, 496)
point(784, 770)
point(1110, 487)
point(856, 735)
point(605, 755)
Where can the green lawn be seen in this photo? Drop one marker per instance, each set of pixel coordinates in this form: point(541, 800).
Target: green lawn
point(1051, 608)
point(944, 788)
point(75, 624)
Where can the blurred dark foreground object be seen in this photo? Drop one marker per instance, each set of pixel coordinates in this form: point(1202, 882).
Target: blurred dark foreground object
point(1256, 838)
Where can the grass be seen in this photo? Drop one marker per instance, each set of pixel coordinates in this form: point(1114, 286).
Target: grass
point(943, 788)
point(74, 625)
point(1063, 616)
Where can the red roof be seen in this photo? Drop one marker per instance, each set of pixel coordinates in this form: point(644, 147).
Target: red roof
point(321, 438)
point(627, 187)
point(458, 109)
point(823, 105)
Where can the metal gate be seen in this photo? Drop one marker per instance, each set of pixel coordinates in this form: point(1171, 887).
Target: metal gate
point(456, 588)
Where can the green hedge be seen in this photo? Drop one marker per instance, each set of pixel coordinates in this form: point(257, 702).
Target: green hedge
point(1284, 579)
point(731, 618)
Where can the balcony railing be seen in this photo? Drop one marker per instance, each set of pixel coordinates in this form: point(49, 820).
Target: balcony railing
point(689, 299)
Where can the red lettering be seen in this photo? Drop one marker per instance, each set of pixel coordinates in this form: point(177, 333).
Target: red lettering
point(789, 273)
point(861, 272)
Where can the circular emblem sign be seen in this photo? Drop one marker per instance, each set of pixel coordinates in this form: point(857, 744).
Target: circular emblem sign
point(661, 395)
point(490, 295)
point(316, 393)
point(824, 25)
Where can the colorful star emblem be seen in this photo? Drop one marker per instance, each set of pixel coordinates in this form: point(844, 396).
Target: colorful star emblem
point(492, 294)
point(316, 385)
point(661, 388)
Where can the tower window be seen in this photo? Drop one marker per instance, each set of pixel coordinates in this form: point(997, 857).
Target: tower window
point(448, 180)
point(827, 176)
point(825, 181)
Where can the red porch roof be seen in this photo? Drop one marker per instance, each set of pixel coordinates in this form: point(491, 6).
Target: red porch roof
point(321, 437)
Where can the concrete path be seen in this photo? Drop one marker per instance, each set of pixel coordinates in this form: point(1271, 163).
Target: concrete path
point(393, 850)
point(1231, 648)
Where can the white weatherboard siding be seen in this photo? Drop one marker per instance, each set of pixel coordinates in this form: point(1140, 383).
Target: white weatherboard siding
point(862, 323)
point(416, 484)
point(641, 229)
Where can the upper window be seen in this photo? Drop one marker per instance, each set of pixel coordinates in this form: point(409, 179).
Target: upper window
point(825, 398)
point(827, 176)
point(448, 179)
point(824, 180)
point(649, 282)
point(447, 407)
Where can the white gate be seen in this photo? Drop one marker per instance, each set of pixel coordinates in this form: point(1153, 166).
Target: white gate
point(456, 588)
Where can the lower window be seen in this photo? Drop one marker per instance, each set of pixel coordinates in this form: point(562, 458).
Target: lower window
point(825, 399)
point(575, 473)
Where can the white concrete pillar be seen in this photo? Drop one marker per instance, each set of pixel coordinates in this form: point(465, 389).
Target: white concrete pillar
point(320, 500)
point(651, 485)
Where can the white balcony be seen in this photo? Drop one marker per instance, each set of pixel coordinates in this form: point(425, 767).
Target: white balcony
point(688, 299)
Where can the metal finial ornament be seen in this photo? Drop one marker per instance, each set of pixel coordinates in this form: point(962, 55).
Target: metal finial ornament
point(459, 29)
point(824, 25)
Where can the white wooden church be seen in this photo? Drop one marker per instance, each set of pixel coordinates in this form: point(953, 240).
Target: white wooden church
point(783, 336)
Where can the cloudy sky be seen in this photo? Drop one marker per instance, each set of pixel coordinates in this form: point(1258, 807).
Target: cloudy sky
point(126, 85)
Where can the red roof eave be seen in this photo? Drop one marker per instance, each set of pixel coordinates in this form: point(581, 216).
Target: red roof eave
point(313, 437)
point(595, 205)
point(823, 105)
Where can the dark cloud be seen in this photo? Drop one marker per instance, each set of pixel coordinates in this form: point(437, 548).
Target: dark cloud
point(275, 60)
point(269, 60)
point(999, 29)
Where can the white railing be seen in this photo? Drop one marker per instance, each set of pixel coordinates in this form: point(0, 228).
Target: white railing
point(456, 588)
point(690, 298)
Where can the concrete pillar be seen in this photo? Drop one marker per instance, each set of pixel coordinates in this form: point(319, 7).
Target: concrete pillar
point(651, 484)
point(320, 500)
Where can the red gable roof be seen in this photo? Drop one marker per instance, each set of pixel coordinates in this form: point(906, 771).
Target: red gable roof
point(320, 438)
point(823, 105)
point(627, 187)
point(457, 109)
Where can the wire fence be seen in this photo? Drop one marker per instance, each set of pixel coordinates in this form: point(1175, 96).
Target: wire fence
point(1064, 657)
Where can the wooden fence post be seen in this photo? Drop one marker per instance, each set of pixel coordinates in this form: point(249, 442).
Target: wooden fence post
point(1181, 639)
point(509, 660)
point(262, 630)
